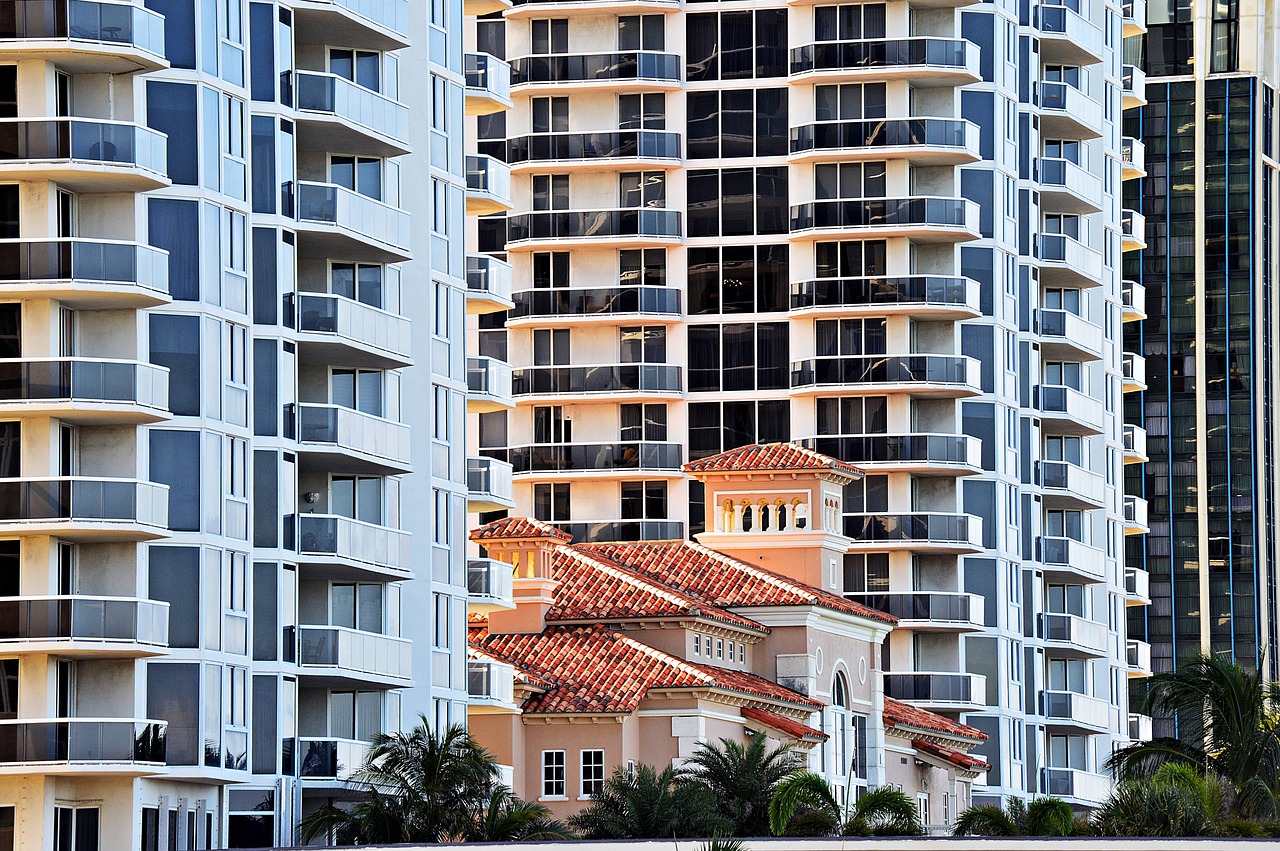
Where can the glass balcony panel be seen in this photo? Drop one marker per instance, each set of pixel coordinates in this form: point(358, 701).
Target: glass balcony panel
point(648, 222)
point(597, 67)
point(1075, 708)
point(886, 369)
point(84, 741)
point(885, 212)
point(1085, 635)
point(328, 93)
point(70, 499)
point(885, 133)
point(608, 378)
point(80, 20)
point(89, 381)
point(80, 618)
point(1075, 784)
point(960, 529)
point(84, 140)
point(881, 292)
point(596, 457)
point(623, 530)
point(570, 147)
point(936, 687)
point(883, 53)
point(601, 301)
point(355, 650)
point(937, 607)
point(871, 449)
point(346, 538)
point(329, 204)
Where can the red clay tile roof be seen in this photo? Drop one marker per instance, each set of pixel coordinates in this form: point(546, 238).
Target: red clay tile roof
point(591, 669)
point(769, 456)
point(724, 581)
point(955, 757)
point(782, 724)
point(516, 529)
point(899, 714)
point(594, 589)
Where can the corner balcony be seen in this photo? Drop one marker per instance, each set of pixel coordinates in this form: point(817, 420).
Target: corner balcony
point(321, 759)
point(591, 531)
point(1133, 158)
point(603, 151)
point(1066, 336)
point(1066, 261)
point(1066, 112)
point(488, 82)
point(121, 747)
point(84, 391)
point(929, 611)
point(1065, 410)
point(562, 461)
point(1070, 561)
point(335, 438)
point(928, 532)
point(603, 305)
point(1137, 587)
point(488, 284)
point(624, 381)
point(84, 627)
point(920, 141)
point(1070, 486)
point(331, 546)
point(924, 296)
point(488, 485)
point(933, 376)
point(490, 687)
point(940, 692)
point(1075, 786)
point(488, 185)
point(1133, 231)
point(339, 657)
point(1138, 656)
point(628, 71)
point(1134, 372)
point(1066, 38)
point(1134, 440)
point(334, 221)
point(489, 587)
point(1133, 301)
point(1067, 187)
point(371, 24)
point(83, 154)
point(1134, 17)
point(85, 37)
point(488, 385)
point(1135, 516)
point(636, 227)
point(919, 454)
point(922, 219)
point(335, 114)
point(1133, 87)
point(83, 509)
point(925, 61)
point(1072, 713)
point(337, 329)
point(83, 273)
point(1140, 727)
point(1071, 636)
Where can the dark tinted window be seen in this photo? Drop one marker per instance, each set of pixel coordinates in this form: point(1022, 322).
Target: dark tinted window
point(175, 579)
point(175, 461)
point(171, 109)
point(179, 30)
point(173, 695)
point(175, 343)
point(175, 226)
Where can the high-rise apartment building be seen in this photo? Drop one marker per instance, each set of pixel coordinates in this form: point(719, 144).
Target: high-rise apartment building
point(233, 278)
point(1209, 272)
point(890, 231)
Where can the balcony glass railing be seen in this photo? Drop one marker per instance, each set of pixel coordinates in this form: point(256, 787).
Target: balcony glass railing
point(1065, 100)
point(936, 688)
point(1133, 297)
point(321, 313)
point(925, 606)
point(1138, 655)
point(647, 222)
point(1063, 175)
point(82, 618)
point(885, 213)
point(82, 380)
point(1133, 153)
point(72, 500)
point(924, 290)
point(1133, 226)
point(84, 261)
point(489, 477)
point(1135, 511)
point(607, 378)
point(623, 530)
point(488, 74)
point(1075, 630)
point(1071, 555)
point(637, 144)
point(345, 538)
point(883, 53)
point(597, 67)
point(1072, 404)
point(330, 204)
point(354, 650)
point(885, 133)
point(900, 448)
point(1077, 708)
point(630, 455)
point(490, 682)
point(886, 369)
point(1074, 783)
point(1061, 22)
point(602, 301)
point(330, 759)
point(488, 175)
point(489, 579)
point(923, 528)
point(1137, 583)
point(344, 427)
point(79, 20)
point(1134, 440)
point(329, 93)
point(82, 741)
point(1072, 478)
point(489, 377)
point(83, 140)
point(1065, 327)
point(1071, 252)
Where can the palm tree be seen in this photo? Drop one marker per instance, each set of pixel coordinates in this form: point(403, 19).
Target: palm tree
point(506, 818)
point(741, 779)
point(1042, 817)
point(1230, 724)
point(648, 804)
point(1175, 801)
point(804, 800)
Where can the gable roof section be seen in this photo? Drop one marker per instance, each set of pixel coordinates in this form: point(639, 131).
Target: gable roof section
point(518, 529)
point(766, 457)
point(908, 717)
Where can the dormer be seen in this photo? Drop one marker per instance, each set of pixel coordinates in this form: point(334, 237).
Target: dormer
point(527, 545)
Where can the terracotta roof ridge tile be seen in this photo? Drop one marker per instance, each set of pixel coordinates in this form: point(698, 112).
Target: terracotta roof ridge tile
point(769, 456)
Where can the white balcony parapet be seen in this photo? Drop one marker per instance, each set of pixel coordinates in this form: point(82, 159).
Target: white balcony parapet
point(355, 651)
point(489, 585)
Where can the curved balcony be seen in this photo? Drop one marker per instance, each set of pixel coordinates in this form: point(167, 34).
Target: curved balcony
point(922, 141)
point(607, 151)
point(489, 585)
point(926, 296)
point(597, 304)
point(1133, 87)
point(1134, 16)
point(656, 381)
point(604, 531)
point(488, 82)
point(1070, 561)
point(943, 691)
point(542, 8)
point(1138, 656)
point(1066, 261)
point(924, 60)
point(626, 228)
point(924, 532)
point(1137, 587)
point(1072, 636)
point(84, 391)
point(932, 611)
point(1133, 301)
point(1133, 369)
point(488, 484)
point(585, 460)
point(100, 746)
point(1065, 410)
point(490, 687)
point(84, 627)
point(1066, 336)
point(1066, 38)
point(488, 185)
point(336, 547)
point(83, 36)
point(635, 70)
point(919, 454)
point(488, 385)
point(329, 759)
point(1070, 486)
point(337, 329)
point(939, 376)
point(85, 273)
point(488, 284)
point(1133, 158)
point(338, 656)
point(921, 219)
point(83, 154)
point(1067, 187)
point(84, 509)
point(1075, 713)
point(335, 114)
point(1066, 112)
point(1134, 439)
point(334, 221)
point(1135, 515)
point(1133, 231)
point(1075, 786)
point(372, 24)
point(334, 438)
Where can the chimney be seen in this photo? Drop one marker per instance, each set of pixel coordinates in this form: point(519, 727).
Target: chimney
point(527, 545)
